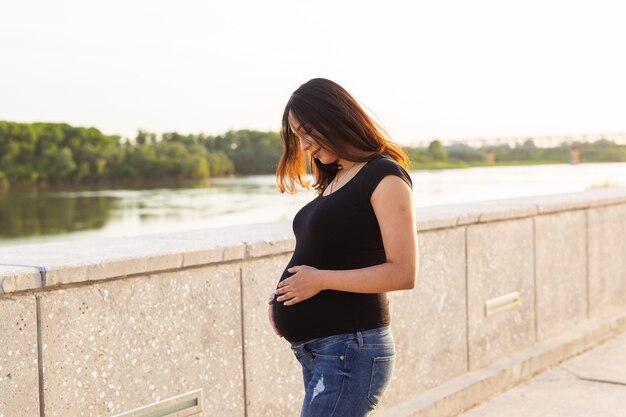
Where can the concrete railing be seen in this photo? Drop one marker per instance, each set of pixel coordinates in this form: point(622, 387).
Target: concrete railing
point(102, 327)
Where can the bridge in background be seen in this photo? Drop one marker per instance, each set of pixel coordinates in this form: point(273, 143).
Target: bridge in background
point(543, 141)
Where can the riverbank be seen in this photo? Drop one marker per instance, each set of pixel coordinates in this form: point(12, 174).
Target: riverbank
point(132, 183)
point(148, 183)
point(36, 215)
point(421, 166)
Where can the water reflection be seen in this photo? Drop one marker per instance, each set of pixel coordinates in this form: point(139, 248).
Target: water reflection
point(40, 212)
point(33, 216)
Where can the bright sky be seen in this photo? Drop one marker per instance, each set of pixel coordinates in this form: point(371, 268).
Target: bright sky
point(426, 69)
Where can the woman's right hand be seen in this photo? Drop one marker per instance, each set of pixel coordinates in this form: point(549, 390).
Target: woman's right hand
point(270, 313)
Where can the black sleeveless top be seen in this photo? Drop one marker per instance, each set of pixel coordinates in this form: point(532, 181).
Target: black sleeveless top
point(339, 231)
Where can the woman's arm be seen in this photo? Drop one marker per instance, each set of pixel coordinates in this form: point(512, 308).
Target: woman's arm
point(392, 201)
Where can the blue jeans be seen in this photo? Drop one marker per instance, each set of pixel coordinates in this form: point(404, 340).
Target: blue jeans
point(345, 375)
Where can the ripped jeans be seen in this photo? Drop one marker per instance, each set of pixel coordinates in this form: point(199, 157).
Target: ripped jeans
point(345, 375)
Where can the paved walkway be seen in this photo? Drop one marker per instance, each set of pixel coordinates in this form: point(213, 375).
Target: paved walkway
point(592, 384)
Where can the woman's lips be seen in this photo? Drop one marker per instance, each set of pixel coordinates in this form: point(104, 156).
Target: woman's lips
point(314, 154)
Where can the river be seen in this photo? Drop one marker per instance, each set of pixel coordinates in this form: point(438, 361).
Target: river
point(44, 215)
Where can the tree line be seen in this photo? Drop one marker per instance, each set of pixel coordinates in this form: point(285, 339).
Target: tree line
point(59, 152)
point(460, 154)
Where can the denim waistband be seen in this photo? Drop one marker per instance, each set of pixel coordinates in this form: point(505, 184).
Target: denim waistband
point(324, 341)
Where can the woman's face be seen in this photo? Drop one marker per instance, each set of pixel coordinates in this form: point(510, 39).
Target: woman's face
point(308, 143)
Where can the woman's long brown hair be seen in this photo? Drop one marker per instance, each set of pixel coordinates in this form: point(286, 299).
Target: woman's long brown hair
point(338, 123)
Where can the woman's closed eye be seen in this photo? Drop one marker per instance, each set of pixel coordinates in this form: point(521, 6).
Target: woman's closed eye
point(306, 136)
point(301, 134)
point(304, 130)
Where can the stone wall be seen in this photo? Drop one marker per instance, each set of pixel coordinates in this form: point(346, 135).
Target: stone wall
point(102, 327)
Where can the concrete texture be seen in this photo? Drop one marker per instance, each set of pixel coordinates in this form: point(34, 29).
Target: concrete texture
point(607, 259)
point(591, 385)
point(19, 381)
point(119, 345)
point(498, 210)
point(499, 261)
point(74, 262)
point(273, 376)
point(580, 200)
point(561, 272)
point(442, 217)
point(470, 389)
point(256, 240)
point(115, 338)
point(429, 322)
point(445, 216)
point(18, 278)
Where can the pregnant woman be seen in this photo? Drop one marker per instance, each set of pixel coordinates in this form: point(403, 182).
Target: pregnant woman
point(354, 242)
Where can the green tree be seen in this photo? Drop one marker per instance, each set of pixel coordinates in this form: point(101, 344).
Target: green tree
point(437, 151)
point(63, 162)
point(252, 152)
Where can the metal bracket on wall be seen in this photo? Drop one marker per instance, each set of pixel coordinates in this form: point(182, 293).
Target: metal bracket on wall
point(183, 405)
point(503, 303)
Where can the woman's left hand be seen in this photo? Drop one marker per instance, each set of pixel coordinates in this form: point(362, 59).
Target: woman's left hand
point(303, 284)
